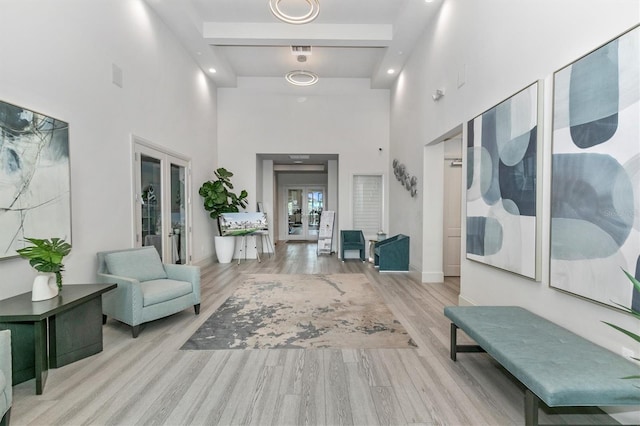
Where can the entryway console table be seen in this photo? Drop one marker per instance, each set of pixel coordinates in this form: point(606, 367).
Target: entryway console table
point(71, 323)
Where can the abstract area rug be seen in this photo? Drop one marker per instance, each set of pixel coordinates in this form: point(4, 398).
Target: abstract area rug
point(278, 311)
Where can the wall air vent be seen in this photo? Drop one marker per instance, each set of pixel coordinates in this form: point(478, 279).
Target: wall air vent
point(301, 50)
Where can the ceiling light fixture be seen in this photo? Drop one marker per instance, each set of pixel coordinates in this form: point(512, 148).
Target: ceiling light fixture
point(274, 5)
point(391, 71)
point(212, 70)
point(301, 78)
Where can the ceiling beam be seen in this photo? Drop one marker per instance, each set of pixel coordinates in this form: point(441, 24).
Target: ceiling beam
point(268, 34)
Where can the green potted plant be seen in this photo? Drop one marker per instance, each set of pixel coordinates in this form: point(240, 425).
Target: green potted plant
point(218, 198)
point(45, 256)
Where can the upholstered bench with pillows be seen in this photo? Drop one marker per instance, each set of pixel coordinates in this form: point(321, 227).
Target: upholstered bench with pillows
point(6, 391)
point(556, 366)
point(147, 288)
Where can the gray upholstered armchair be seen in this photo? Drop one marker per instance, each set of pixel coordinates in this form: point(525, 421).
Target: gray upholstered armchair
point(147, 288)
point(6, 391)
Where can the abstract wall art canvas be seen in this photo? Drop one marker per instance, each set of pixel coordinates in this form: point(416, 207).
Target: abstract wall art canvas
point(34, 178)
point(595, 182)
point(502, 191)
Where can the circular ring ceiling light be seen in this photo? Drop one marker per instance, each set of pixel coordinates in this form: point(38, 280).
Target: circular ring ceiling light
point(301, 78)
point(274, 5)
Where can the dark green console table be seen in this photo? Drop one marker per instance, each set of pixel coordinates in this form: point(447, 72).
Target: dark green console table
point(71, 323)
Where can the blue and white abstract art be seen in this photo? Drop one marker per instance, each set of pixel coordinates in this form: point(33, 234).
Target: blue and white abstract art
point(34, 178)
point(595, 186)
point(502, 191)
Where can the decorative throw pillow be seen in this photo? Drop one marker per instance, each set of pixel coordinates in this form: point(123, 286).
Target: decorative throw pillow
point(143, 265)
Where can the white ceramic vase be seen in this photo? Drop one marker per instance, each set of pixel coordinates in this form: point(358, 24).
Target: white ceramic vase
point(44, 286)
point(225, 248)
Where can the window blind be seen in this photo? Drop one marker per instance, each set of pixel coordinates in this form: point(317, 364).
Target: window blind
point(367, 203)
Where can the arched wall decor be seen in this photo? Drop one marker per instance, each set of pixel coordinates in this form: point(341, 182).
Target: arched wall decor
point(410, 183)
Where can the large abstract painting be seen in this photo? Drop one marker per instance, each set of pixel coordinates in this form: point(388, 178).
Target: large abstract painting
point(34, 178)
point(502, 161)
point(595, 189)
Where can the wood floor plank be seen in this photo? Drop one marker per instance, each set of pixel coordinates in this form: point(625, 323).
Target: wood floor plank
point(336, 389)
point(363, 407)
point(312, 398)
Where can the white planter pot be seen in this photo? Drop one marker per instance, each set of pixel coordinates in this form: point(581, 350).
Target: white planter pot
point(225, 247)
point(44, 287)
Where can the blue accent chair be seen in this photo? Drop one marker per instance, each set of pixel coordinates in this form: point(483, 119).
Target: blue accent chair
point(147, 288)
point(6, 390)
point(392, 254)
point(352, 240)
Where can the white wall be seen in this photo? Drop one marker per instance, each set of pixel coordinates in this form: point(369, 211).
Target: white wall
point(481, 53)
point(57, 60)
point(268, 116)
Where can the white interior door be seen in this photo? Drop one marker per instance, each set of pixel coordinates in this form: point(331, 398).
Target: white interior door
point(452, 216)
point(162, 205)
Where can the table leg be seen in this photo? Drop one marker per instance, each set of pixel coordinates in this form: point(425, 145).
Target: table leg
point(76, 333)
point(29, 352)
point(41, 356)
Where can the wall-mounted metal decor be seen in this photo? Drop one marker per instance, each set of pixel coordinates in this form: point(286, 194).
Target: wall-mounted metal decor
point(410, 183)
point(35, 194)
point(502, 191)
point(595, 180)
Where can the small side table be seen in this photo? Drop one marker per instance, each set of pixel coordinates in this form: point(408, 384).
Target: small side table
point(372, 244)
point(71, 324)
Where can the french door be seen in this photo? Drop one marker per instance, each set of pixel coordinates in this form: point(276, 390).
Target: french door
point(304, 205)
point(162, 204)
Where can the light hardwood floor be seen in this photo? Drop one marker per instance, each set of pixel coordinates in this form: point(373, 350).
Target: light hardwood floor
point(149, 380)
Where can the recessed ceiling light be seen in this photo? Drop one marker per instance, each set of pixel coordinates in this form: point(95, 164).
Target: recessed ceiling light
point(391, 71)
point(212, 70)
point(299, 156)
point(297, 162)
point(428, 1)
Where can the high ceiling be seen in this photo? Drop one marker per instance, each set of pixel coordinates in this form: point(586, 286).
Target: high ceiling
point(349, 38)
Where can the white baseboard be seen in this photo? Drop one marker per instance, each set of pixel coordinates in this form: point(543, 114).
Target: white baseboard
point(462, 301)
point(206, 261)
point(432, 277)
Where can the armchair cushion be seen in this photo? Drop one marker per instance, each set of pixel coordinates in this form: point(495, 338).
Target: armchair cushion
point(142, 265)
point(158, 291)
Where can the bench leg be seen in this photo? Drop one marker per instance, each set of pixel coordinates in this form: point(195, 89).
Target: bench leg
point(455, 347)
point(454, 342)
point(530, 408)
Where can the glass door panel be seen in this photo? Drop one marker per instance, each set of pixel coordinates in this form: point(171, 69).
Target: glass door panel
point(150, 201)
point(294, 211)
point(315, 205)
point(177, 235)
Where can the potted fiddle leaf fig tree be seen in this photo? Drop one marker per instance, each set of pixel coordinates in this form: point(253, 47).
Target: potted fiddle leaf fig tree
point(218, 198)
point(45, 256)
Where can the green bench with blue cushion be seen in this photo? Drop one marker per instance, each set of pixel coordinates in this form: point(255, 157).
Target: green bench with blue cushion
point(556, 366)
